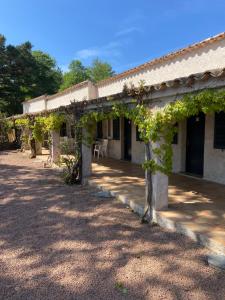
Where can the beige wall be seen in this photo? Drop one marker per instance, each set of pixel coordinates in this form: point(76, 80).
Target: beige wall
point(34, 105)
point(214, 159)
point(137, 148)
point(84, 91)
point(179, 149)
point(65, 99)
point(210, 57)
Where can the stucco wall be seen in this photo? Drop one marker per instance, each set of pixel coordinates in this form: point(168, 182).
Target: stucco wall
point(65, 99)
point(137, 148)
point(210, 57)
point(179, 149)
point(34, 106)
point(214, 159)
point(114, 146)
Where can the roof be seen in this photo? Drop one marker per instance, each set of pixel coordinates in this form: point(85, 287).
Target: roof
point(70, 89)
point(164, 58)
point(42, 97)
point(188, 81)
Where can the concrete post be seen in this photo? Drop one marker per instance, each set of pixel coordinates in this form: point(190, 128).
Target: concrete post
point(38, 146)
point(86, 160)
point(55, 146)
point(160, 191)
point(159, 186)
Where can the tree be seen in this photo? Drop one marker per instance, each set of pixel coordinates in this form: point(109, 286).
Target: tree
point(99, 70)
point(76, 74)
point(48, 76)
point(16, 76)
point(25, 74)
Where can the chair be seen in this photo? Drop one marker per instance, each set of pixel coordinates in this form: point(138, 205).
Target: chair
point(101, 148)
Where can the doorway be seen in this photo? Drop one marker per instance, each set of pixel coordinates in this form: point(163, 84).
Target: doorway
point(127, 139)
point(195, 144)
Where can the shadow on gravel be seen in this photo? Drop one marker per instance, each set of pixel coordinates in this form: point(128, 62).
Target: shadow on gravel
point(61, 242)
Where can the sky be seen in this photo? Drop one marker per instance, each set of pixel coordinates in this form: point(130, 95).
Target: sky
point(124, 33)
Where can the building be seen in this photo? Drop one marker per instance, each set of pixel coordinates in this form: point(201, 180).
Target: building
point(199, 145)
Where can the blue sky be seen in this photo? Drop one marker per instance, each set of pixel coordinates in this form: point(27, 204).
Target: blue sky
point(125, 33)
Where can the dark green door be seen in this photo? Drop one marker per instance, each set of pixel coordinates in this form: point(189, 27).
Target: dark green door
point(195, 144)
point(127, 139)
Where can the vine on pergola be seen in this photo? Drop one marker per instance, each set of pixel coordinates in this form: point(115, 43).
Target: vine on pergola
point(157, 127)
point(35, 128)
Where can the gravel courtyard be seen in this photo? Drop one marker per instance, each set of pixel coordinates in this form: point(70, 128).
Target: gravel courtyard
point(63, 242)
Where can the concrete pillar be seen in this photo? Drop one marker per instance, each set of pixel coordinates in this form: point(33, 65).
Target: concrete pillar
point(159, 185)
point(38, 146)
point(160, 191)
point(55, 146)
point(25, 143)
point(86, 160)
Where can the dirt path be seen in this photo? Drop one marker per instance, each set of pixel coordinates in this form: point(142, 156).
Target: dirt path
point(62, 242)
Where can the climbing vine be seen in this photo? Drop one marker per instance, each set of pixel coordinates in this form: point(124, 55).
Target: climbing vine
point(158, 126)
point(6, 127)
point(37, 127)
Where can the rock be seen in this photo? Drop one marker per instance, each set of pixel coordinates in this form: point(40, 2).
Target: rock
point(103, 194)
point(217, 260)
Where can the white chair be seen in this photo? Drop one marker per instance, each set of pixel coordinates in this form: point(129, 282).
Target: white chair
point(101, 148)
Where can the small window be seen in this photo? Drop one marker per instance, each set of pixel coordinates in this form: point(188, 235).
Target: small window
point(63, 131)
point(99, 130)
point(116, 129)
point(175, 137)
point(219, 131)
point(138, 138)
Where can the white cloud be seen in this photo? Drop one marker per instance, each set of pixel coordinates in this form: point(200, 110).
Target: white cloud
point(127, 31)
point(111, 49)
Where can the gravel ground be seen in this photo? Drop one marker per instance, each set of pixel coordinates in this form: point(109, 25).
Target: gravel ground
point(63, 242)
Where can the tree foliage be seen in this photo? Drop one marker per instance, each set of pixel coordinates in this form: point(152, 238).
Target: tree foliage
point(48, 75)
point(77, 73)
point(99, 70)
point(24, 74)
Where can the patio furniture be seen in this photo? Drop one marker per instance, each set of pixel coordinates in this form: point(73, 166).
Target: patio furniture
point(101, 148)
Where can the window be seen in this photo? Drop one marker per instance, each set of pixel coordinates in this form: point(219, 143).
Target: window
point(138, 138)
point(219, 131)
point(116, 129)
point(99, 130)
point(63, 131)
point(175, 137)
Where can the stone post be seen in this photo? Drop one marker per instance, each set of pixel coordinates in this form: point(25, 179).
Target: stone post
point(160, 191)
point(158, 182)
point(38, 146)
point(55, 146)
point(86, 159)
